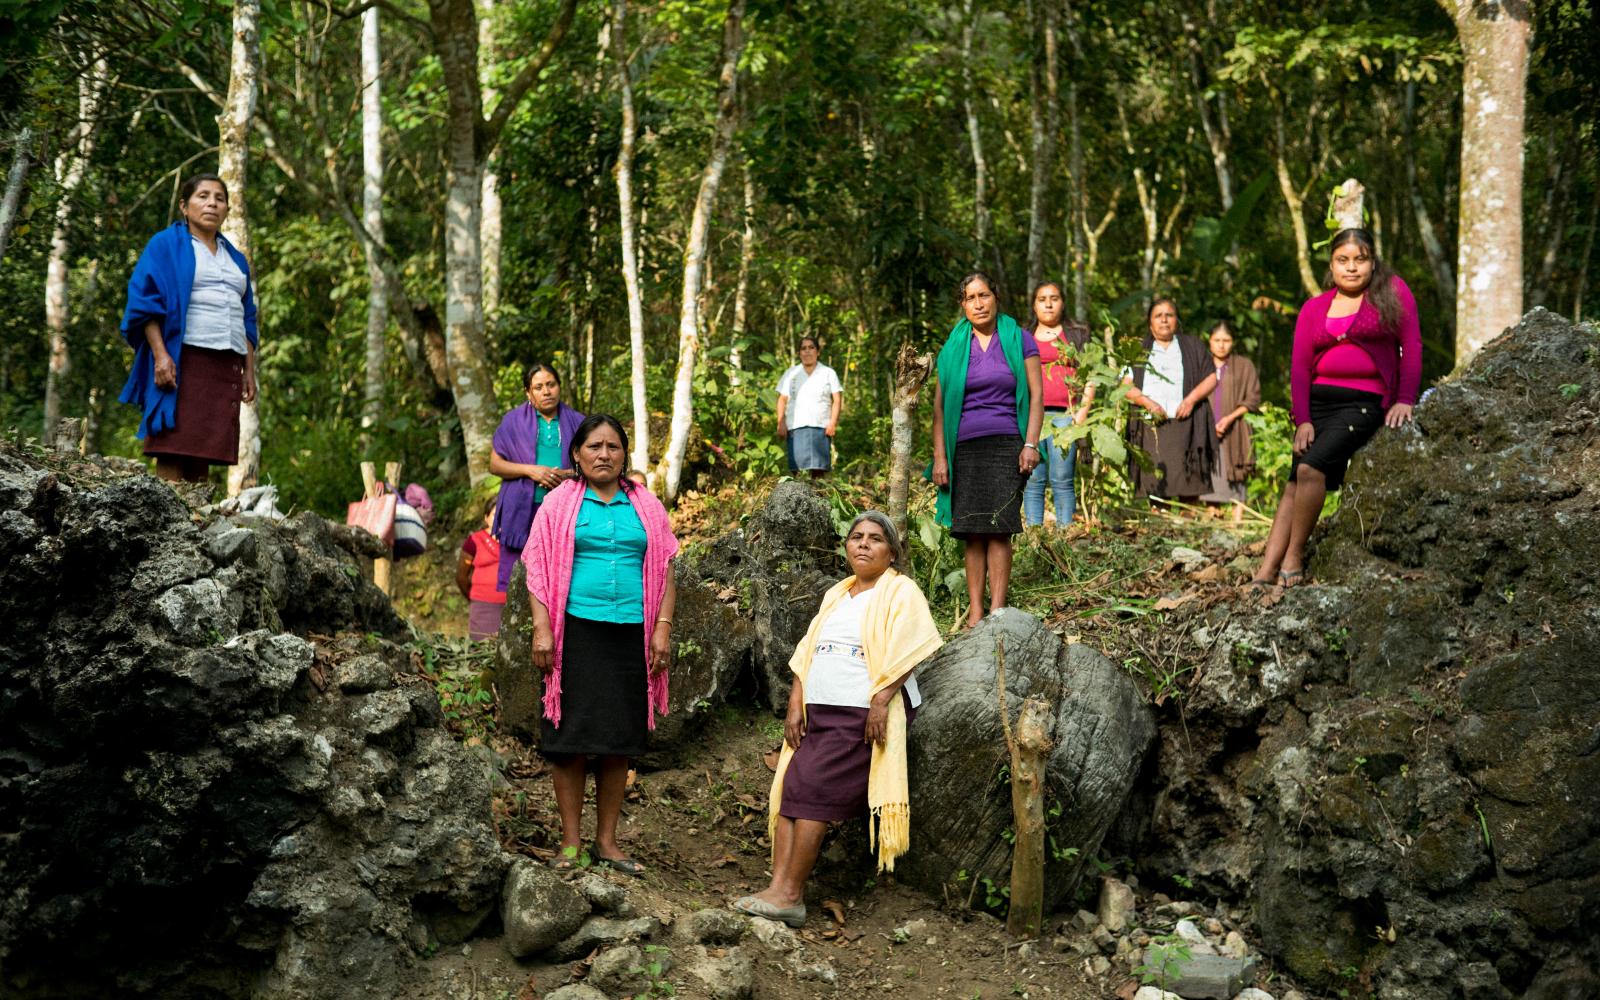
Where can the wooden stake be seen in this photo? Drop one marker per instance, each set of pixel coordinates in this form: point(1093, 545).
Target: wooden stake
point(369, 480)
point(1029, 747)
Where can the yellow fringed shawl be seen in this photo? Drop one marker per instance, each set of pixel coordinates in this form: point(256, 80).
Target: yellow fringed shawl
point(897, 633)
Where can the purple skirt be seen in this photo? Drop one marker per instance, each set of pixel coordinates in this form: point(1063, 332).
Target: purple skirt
point(207, 422)
point(827, 776)
point(483, 620)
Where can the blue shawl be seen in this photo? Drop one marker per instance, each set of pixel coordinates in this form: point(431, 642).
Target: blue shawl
point(159, 290)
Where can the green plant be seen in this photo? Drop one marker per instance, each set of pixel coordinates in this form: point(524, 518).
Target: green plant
point(1183, 880)
point(1163, 960)
point(1570, 391)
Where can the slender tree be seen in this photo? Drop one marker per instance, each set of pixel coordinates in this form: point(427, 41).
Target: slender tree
point(630, 240)
point(1045, 122)
point(980, 168)
point(694, 254)
point(372, 214)
point(493, 211)
point(233, 162)
point(21, 160)
point(1494, 46)
point(71, 167)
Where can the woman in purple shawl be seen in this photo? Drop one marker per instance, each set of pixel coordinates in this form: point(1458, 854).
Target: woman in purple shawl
point(530, 457)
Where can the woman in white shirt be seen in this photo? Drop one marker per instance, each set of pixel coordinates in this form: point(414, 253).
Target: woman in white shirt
point(191, 321)
point(851, 702)
point(1174, 386)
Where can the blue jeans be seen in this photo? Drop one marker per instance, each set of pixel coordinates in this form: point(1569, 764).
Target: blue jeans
point(1055, 467)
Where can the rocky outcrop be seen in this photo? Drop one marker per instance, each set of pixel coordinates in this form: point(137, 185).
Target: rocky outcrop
point(1398, 768)
point(960, 798)
point(195, 801)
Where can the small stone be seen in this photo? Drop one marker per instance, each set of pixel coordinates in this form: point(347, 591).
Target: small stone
point(730, 976)
point(1189, 559)
point(1103, 939)
point(361, 674)
point(603, 894)
point(1084, 920)
point(231, 545)
point(911, 930)
point(382, 712)
point(1193, 938)
point(713, 926)
point(1213, 927)
point(597, 931)
point(1124, 949)
point(773, 934)
point(931, 941)
point(1100, 965)
point(626, 969)
point(1212, 977)
point(817, 972)
point(576, 991)
point(1235, 946)
point(1294, 995)
point(1251, 993)
point(538, 909)
point(1026, 950)
point(1152, 993)
point(1116, 904)
point(1177, 908)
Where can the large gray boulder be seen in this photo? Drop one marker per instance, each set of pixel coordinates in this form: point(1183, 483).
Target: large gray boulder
point(1397, 769)
point(960, 798)
point(195, 802)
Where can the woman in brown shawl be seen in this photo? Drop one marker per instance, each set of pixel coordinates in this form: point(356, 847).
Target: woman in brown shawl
point(1173, 383)
point(1238, 392)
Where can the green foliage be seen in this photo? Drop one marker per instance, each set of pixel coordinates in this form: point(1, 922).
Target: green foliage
point(459, 672)
point(1164, 958)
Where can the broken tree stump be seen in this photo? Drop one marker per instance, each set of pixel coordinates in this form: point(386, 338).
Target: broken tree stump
point(1030, 746)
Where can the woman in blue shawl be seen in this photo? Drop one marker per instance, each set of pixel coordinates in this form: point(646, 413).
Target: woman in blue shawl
point(529, 454)
point(191, 321)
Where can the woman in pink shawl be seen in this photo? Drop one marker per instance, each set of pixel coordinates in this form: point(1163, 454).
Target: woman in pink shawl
point(599, 568)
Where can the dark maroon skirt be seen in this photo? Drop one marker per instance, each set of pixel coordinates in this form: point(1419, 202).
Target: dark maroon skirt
point(207, 423)
point(827, 776)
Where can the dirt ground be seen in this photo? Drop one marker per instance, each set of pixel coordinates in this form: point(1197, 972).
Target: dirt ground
point(701, 830)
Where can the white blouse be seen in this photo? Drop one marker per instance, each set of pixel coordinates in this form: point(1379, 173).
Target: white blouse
point(838, 673)
point(216, 301)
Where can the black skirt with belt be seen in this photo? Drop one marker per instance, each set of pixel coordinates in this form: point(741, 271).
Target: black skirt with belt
point(1344, 420)
point(604, 699)
point(986, 488)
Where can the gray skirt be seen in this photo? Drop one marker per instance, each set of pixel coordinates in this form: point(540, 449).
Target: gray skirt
point(986, 488)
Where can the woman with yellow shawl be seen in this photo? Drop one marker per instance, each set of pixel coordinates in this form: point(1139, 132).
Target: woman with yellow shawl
point(853, 696)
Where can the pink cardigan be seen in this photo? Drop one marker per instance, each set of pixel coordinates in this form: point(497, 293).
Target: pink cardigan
point(548, 557)
point(1396, 353)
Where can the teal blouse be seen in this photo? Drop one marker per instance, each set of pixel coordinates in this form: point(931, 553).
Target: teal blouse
point(608, 546)
point(548, 453)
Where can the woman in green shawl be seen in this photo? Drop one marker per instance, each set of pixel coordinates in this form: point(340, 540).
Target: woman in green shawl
point(987, 409)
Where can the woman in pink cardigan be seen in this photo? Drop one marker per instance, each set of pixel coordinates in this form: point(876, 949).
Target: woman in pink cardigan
point(599, 567)
point(1357, 366)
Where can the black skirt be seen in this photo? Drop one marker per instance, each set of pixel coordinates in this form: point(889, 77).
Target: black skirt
point(1344, 420)
point(986, 488)
point(604, 699)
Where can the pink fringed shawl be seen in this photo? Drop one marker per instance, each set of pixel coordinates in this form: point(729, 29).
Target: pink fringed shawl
point(548, 558)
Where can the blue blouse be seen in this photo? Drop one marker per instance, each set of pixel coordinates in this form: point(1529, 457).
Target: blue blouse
point(548, 451)
point(608, 545)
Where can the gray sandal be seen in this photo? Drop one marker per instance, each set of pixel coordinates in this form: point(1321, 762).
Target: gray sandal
point(794, 916)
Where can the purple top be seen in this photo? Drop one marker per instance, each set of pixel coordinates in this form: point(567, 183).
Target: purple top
point(991, 401)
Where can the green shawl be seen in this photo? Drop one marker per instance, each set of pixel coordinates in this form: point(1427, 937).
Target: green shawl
point(952, 369)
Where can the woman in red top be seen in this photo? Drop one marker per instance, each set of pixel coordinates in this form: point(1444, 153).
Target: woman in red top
point(476, 578)
point(1357, 366)
point(1058, 345)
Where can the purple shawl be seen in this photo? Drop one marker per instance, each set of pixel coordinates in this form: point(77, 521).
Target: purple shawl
point(517, 440)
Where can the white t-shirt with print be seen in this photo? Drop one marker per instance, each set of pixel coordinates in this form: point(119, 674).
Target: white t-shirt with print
point(810, 396)
point(838, 674)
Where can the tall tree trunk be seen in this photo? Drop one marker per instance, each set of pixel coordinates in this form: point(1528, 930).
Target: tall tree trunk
point(1045, 122)
point(911, 371)
point(233, 161)
point(372, 217)
point(1494, 46)
point(70, 168)
point(1438, 263)
point(1147, 205)
point(469, 140)
point(741, 293)
point(1584, 260)
point(630, 240)
point(1296, 204)
point(1552, 222)
point(1215, 140)
point(490, 228)
point(1078, 226)
point(694, 255)
point(980, 169)
point(21, 159)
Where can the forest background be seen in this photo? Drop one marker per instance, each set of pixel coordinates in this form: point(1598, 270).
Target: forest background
point(772, 168)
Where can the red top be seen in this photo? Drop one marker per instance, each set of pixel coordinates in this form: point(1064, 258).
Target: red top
point(1396, 354)
point(484, 551)
point(1058, 371)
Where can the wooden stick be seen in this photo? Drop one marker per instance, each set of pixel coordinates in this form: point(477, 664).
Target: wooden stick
point(1029, 746)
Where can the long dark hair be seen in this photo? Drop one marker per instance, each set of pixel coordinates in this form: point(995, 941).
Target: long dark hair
point(534, 369)
point(192, 184)
point(590, 424)
point(969, 278)
point(1160, 300)
point(1380, 287)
